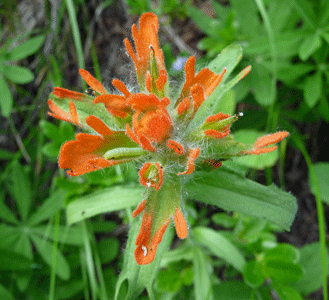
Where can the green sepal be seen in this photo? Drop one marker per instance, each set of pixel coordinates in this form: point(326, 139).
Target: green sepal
point(86, 108)
point(225, 148)
point(162, 204)
point(219, 125)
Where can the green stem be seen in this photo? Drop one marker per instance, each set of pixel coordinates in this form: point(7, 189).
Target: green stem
point(90, 262)
point(76, 35)
point(320, 213)
point(271, 121)
point(54, 259)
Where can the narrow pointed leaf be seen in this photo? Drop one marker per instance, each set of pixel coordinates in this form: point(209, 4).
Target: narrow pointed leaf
point(106, 200)
point(220, 246)
point(49, 208)
point(45, 249)
point(19, 186)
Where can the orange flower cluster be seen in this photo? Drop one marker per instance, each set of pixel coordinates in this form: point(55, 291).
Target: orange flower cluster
point(148, 126)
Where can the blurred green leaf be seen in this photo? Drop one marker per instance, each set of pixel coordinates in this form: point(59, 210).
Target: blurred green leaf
point(6, 102)
point(233, 290)
point(4, 154)
point(261, 84)
point(11, 261)
point(26, 48)
point(18, 74)
point(5, 294)
point(108, 249)
point(313, 89)
point(252, 274)
point(105, 200)
point(5, 213)
point(50, 131)
point(310, 260)
point(202, 271)
point(233, 192)
point(286, 292)
point(48, 208)
point(224, 220)
point(219, 246)
point(309, 46)
point(19, 187)
point(322, 174)
point(283, 271)
point(45, 249)
point(284, 252)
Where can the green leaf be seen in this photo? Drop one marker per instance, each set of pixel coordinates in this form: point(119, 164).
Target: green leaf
point(219, 246)
point(70, 235)
point(283, 252)
point(18, 74)
point(4, 154)
point(9, 236)
point(108, 249)
point(5, 213)
point(207, 24)
point(12, 261)
point(286, 292)
point(49, 208)
point(50, 131)
point(233, 192)
point(45, 249)
point(6, 100)
point(5, 294)
point(105, 200)
point(202, 271)
point(258, 162)
point(309, 46)
point(252, 274)
point(261, 83)
point(310, 260)
point(283, 271)
point(233, 290)
point(26, 48)
point(322, 174)
point(313, 89)
point(305, 10)
point(137, 276)
point(19, 186)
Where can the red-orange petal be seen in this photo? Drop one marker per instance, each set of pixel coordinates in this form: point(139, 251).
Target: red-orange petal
point(160, 174)
point(148, 82)
point(197, 95)
point(139, 209)
point(130, 51)
point(99, 126)
point(217, 134)
point(270, 139)
point(183, 106)
point(64, 93)
point(92, 82)
point(177, 147)
point(143, 102)
point(180, 224)
point(74, 114)
point(59, 113)
point(218, 117)
point(121, 87)
point(193, 155)
point(143, 179)
point(162, 79)
point(258, 151)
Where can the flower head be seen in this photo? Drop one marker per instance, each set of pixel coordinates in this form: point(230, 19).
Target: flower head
point(153, 129)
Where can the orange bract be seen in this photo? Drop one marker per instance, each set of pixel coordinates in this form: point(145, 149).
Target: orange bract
point(147, 49)
point(92, 82)
point(266, 140)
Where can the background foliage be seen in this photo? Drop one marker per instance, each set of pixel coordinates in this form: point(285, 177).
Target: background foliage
point(65, 238)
